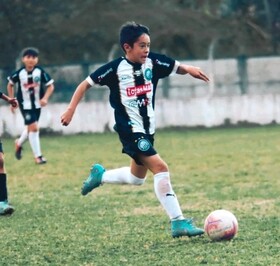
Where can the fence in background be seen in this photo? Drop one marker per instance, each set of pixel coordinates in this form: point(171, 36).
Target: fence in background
point(240, 90)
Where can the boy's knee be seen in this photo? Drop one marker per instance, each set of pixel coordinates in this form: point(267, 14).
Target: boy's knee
point(136, 180)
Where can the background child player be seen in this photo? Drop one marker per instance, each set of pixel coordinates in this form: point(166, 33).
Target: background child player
point(132, 81)
point(31, 94)
point(5, 207)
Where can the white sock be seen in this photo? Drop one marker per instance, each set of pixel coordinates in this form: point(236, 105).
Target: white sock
point(121, 176)
point(35, 143)
point(23, 137)
point(166, 195)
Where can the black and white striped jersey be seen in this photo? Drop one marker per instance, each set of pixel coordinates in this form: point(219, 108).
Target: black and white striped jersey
point(31, 86)
point(132, 90)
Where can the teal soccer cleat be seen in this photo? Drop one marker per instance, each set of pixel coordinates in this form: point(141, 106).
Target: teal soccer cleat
point(6, 208)
point(185, 227)
point(94, 179)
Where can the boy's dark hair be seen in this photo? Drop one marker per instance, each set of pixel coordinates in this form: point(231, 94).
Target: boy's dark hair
point(131, 31)
point(30, 51)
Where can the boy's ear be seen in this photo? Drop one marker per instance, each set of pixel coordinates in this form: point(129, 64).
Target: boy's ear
point(126, 47)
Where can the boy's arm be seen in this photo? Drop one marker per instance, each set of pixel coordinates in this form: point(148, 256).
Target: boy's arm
point(193, 71)
point(10, 89)
point(12, 101)
point(79, 93)
point(48, 93)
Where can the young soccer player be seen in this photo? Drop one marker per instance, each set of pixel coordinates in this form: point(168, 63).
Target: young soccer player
point(35, 86)
point(132, 80)
point(5, 207)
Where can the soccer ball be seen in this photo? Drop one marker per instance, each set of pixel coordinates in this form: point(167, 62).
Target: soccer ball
point(221, 225)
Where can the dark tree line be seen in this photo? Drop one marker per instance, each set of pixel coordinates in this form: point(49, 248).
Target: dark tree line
point(73, 31)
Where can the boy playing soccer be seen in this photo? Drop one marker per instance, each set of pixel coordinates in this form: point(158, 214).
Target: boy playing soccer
point(31, 96)
point(132, 80)
point(5, 207)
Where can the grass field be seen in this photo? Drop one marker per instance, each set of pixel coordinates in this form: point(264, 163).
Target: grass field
point(234, 169)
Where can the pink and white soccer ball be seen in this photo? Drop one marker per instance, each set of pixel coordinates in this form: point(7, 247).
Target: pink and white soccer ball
point(221, 225)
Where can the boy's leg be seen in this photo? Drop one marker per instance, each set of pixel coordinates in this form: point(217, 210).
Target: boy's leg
point(19, 143)
point(165, 194)
point(31, 118)
point(121, 175)
point(34, 140)
point(23, 137)
point(5, 207)
point(99, 176)
point(3, 187)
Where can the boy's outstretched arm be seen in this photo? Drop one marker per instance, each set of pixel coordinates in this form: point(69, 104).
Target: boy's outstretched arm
point(196, 72)
point(79, 93)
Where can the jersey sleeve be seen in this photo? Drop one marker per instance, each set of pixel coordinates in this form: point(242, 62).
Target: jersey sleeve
point(46, 78)
point(105, 75)
point(163, 65)
point(102, 76)
point(14, 78)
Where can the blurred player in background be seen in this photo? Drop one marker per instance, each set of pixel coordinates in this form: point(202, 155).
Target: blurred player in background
point(35, 86)
point(5, 207)
point(132, 80)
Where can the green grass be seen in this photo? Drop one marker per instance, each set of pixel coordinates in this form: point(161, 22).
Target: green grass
point(234, 169)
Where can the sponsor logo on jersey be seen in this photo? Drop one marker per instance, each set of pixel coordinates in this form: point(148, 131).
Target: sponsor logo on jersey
point(27, 86)
point(105, 74)
point(138, 90)
point(144, 145)
point(162, 63)
point(124, 77)
point(139, 103)
point(148, 74)
point(138, 73)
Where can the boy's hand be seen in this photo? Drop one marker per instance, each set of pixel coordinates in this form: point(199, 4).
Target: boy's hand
point(196, 72)
point(43, 102)
point(13, 102)
point(66, 117)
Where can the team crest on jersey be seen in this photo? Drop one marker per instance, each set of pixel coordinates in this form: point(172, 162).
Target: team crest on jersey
point(148, 74)
point(36, 79)
point(144, 145)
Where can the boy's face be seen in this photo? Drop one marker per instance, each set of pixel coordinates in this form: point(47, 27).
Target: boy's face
point(30, 61)
point(140, 50)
